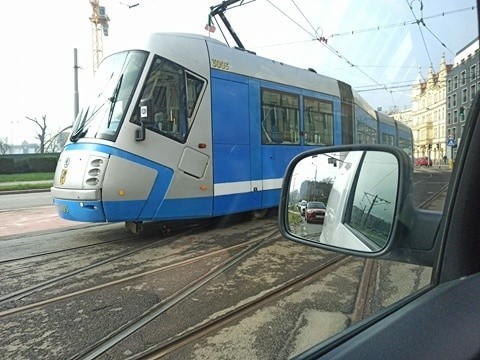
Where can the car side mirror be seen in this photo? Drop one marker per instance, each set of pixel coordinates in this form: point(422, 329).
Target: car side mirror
point(354, 198)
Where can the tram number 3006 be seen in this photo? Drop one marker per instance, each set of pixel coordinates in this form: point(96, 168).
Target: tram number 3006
point(219, 64)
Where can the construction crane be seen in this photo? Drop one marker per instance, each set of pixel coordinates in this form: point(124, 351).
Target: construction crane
point(99, 21)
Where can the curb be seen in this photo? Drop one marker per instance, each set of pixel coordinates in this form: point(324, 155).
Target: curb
point(25, 191)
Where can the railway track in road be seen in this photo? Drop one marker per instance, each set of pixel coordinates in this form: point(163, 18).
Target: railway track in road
point(192, 335)
point(436, 200)
point(202, 269)
point(250, 247)
point(176, 265)
point(8, 299)
point(202, 330)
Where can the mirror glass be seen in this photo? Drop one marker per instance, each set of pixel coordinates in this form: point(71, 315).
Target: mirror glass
point(344, 199)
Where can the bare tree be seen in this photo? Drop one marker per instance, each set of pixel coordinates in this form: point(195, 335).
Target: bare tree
point(4, 146)
point(56, 142)
point(41, 134)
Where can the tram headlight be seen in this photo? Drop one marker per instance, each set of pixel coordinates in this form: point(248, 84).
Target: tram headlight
point(96, 163)
point(94, 172)
point(92, 181)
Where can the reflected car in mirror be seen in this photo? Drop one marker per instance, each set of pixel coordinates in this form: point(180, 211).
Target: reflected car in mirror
point(315, 212)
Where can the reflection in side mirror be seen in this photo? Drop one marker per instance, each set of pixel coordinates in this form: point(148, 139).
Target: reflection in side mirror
point(344, 199)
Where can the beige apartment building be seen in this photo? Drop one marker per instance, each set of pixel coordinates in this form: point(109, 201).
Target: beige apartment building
point(428, 119)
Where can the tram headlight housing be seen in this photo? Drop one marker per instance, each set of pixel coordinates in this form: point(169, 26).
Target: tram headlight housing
point(95, 171)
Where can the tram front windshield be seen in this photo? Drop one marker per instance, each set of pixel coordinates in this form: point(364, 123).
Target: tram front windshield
point(115, 81)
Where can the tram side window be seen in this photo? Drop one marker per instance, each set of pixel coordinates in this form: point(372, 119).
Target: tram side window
point(174, 95)
point(366, 127)
point(280, 118)
point(318, 119)
point(388, 139)
point(406, 145)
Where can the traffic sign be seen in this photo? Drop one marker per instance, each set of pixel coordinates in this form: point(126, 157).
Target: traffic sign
point(452, 142)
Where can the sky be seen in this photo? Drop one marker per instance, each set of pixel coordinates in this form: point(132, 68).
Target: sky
point(365, 47)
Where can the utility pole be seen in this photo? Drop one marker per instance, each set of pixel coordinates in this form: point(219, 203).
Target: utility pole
point(374, 200)
point(75, 84)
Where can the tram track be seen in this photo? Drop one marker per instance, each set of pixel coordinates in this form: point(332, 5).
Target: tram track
point(22, 293)
point(189, 261)
point(56, 252)
point(202, 330)
point(361, 309)
point(436, 196)
point(153, 229)
point(160, 308)
point(193, 334)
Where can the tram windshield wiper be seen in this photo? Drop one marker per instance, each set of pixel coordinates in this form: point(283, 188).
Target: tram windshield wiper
point(113, 100)
point(79, 129)
point(82, 129)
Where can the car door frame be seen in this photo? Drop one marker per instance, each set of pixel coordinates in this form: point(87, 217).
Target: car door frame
point(441, 320)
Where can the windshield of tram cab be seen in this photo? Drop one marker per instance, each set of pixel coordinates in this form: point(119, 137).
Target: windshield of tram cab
point(112, 91)
point(174, 94)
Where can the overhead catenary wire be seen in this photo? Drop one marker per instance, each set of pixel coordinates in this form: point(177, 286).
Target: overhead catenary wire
point(377, 85)
point(400, 24)
point(418, 22)
point(373, 28)
point(323, 41)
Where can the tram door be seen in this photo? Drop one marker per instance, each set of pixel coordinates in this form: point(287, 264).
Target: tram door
point(234, 188)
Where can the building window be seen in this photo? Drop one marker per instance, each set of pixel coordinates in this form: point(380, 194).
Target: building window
point(463, 78)
point(449, 85)
point(473, 90)
point(455, 82)
point(449, 118)
point(449, 102)
point(453, 133)
point(455, 116)
point(473, 72)
point(464, 96)
point(454, 100)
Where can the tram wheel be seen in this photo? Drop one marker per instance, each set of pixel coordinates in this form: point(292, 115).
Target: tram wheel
point(259, 214)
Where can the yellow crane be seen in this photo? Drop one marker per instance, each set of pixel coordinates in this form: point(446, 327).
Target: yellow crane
point(99, 21)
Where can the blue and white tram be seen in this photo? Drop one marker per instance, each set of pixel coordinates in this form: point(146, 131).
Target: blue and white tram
point(374, 127)
point(184, 126)
point(404, 138)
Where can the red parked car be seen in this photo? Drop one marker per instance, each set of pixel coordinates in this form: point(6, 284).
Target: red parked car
point(423, 161)
point(315, 212)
